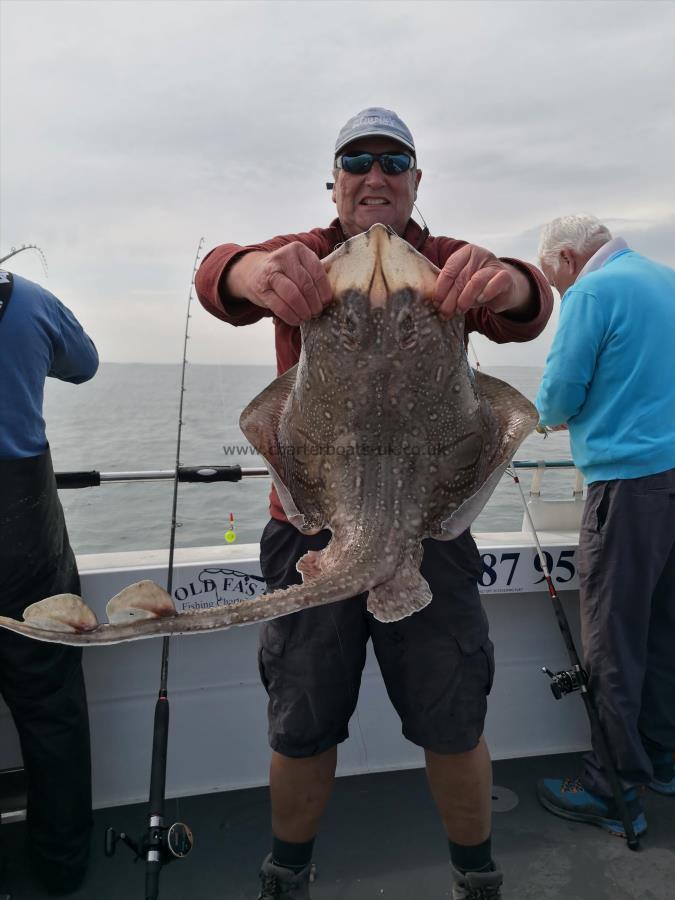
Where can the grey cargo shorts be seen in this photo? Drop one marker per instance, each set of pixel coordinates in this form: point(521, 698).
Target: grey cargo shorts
point(437, 664)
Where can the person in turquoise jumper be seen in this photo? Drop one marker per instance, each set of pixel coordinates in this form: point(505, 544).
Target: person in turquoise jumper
point(610, 379)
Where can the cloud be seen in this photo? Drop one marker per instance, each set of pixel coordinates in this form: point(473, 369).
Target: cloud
point(128, 130)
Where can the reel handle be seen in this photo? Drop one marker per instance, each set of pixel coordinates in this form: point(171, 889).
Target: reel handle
point(175, 842)
point(112, 838)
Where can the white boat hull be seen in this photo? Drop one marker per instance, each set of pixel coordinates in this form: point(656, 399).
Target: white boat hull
point(218, 731)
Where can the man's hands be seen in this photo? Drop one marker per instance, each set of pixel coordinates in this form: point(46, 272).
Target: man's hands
point(290, 282)
point(473, 276)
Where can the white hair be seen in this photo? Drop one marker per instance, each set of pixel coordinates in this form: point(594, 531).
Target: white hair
point(581, 233)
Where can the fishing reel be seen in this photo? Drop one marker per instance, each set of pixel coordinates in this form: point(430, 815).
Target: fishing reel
point(170, 842)
point(566, 682)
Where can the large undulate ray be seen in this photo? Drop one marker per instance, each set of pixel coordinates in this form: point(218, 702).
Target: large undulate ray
point(382, 433)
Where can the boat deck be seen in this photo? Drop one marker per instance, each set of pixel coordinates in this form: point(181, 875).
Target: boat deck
point(381, 840)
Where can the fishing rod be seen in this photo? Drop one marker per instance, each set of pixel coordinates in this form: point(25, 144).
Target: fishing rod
point(210, 474)
point(576, 679)
point(473, 350)
point(186, 474)
point(162, 843)
point(15, 250)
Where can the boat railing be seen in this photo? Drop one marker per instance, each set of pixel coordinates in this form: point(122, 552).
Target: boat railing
point(209, 474)
point(548, 514)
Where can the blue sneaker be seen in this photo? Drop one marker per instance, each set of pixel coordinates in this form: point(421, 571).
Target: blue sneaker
point(570, 800)
point(664, 774)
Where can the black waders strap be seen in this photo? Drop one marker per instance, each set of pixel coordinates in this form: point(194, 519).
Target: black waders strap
point(6, 285)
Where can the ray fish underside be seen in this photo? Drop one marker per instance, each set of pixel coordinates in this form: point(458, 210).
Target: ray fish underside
point(382, 433)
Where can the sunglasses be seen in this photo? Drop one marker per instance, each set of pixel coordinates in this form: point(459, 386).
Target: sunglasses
point(362, 163)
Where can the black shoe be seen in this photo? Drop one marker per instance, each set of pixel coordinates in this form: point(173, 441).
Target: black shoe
point(279, 883)
point(476, 885)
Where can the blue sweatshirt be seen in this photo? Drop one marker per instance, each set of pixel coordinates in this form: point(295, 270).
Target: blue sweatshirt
point(39, 337)
point(610, 373)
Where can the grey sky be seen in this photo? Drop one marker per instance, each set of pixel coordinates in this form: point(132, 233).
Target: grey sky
point(130, 129)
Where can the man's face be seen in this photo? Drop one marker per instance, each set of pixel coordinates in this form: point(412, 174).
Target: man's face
point(364, 200)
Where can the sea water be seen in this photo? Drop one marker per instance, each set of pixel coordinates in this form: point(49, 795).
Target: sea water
point(126, 419)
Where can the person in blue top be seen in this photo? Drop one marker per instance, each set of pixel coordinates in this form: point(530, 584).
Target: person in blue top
point(610, 378)
point(42, 684)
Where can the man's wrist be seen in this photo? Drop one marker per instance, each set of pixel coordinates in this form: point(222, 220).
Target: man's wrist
point(237, 278)
point(526, 295)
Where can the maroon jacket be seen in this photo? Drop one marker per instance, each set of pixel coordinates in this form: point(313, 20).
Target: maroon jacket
point(210, 283)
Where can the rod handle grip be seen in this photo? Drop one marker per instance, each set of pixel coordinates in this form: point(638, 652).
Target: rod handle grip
point(152, 870)
point(77, 479)
point(160, 740)
point(207, 474)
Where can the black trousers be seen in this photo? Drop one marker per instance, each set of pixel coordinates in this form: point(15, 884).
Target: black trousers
point(43, 684)
point(627, 590)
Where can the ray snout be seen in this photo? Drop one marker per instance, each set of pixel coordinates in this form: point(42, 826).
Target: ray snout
point(379, 265)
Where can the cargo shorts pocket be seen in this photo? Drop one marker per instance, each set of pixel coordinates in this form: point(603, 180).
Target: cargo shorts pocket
point(271, 647)
point(596, 509)
point(488, 651)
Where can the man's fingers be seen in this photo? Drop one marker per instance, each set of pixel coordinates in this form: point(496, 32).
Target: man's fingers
point(501, 282)
point(295, 284)
point(286, 300)
point(448, 276)
point(471, 277)
point(317, 273)
point(448, 307)
point(281, 309)
point(297, 288)
point(465, 292)
point(309, 290)
point(487, 287)
point(482, 287)
point(309, 275)
point(473, 290)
